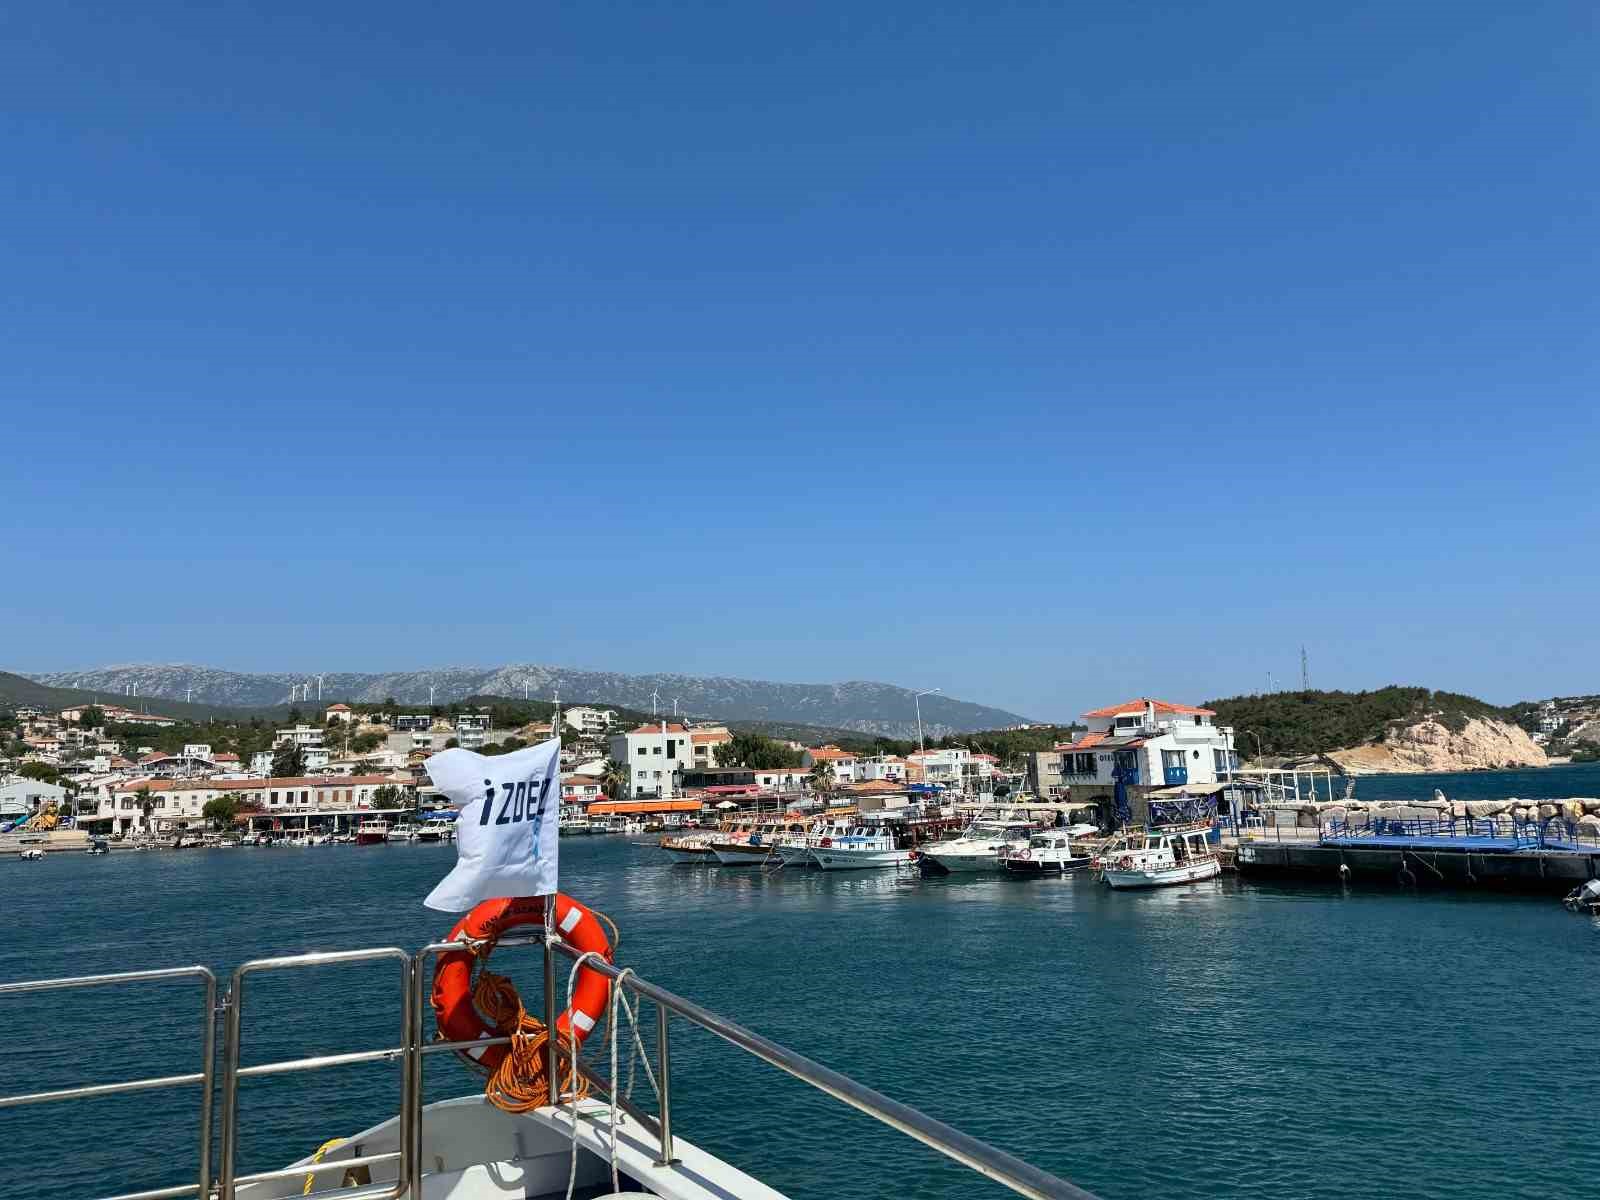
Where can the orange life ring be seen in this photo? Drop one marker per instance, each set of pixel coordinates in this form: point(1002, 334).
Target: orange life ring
point(1125, 863)
point(459, 1019)
point(825, 842)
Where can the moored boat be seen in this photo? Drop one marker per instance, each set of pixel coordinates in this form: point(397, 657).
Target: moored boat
point(1159, 858)
point(1047, 853)
point(982, 846)
point(372, 831)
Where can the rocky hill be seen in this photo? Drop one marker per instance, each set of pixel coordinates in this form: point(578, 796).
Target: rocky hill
point(1428, 746)
point(1388, 730)
point(873, 708)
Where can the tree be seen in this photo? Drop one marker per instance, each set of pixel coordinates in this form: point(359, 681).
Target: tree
point(386, 796)
point(451, 743)
point(614, 779)
point(757, 752)
point(147, 805)
point(822, 777)
point(288, 760)
point(91, 718)
point(221, 811)
point(43, 772)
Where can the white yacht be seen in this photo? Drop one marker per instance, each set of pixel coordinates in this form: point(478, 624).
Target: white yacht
point(468, 1148)
point(795, 850)
point(1047, 853)
point(1159, 858)
point(982, 845)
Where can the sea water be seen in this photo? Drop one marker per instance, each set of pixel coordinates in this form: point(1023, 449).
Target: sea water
point(1220, 1040)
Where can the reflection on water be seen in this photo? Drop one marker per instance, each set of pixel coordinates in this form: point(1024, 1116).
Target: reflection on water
point(1214, 1040)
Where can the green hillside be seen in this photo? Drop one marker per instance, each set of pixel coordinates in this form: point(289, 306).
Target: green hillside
point(1293, 723)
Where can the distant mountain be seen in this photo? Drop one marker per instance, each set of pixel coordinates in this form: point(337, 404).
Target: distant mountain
point(874, 708)
point(18, 691)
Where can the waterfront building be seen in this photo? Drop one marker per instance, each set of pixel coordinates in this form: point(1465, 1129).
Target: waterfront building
point(581, 789)
point(783, 779)
point(1152, 744)
point(655, 754)
point(843, 762)
point(22, 797)
point(177, 804)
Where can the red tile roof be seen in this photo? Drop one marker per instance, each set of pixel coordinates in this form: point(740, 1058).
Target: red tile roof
point(1138, 706)
point(828, 753)
point(656, 728)
point(1087, 740)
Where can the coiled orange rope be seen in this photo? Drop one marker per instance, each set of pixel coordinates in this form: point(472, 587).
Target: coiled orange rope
point(521, 1083)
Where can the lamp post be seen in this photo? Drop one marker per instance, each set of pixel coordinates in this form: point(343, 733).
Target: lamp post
point(1257, 737)
point(917, 700)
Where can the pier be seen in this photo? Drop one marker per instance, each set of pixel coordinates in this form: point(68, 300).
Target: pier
point(1549, 857)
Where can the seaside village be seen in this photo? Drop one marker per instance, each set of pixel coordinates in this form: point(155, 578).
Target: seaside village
point(658, 774)
point(1149, 790)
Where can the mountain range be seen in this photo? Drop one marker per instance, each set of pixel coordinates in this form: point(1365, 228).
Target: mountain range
point(872, 708)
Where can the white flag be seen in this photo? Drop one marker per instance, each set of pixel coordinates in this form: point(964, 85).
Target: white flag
point(506, 835)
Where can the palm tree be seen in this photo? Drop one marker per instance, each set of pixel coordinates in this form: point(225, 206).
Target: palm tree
point(614, 779)
point(822, 777)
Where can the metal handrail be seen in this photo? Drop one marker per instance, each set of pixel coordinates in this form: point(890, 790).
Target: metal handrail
point(232, 1072)
point(987, 1160)
point(205, 1077)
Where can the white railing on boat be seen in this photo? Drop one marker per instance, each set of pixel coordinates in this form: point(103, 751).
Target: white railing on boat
point(416, 977)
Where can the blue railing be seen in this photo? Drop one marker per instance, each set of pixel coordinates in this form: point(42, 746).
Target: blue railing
point(1506, 831)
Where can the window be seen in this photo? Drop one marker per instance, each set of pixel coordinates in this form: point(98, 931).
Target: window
point(1172, 759)
point(643, 750)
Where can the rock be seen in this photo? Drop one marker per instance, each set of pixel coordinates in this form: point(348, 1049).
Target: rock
point(1589, 825)
point(1487, 808)
point(1546, 811)
point(1428, 746)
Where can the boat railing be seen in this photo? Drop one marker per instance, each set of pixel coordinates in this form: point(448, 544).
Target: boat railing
point(204, 1078)
point(414, 1048)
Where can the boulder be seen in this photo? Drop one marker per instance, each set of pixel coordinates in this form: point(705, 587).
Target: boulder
point(1546, 811)
point(1589, 825)
point(1486, 808)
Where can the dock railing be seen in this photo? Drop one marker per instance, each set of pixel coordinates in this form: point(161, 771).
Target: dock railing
point(1513, 833)
point(413, 1048)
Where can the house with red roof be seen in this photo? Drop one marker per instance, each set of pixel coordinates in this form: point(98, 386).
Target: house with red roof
point(1152, 745)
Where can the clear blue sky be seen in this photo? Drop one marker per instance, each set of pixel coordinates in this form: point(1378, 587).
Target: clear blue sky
point(1048, 353)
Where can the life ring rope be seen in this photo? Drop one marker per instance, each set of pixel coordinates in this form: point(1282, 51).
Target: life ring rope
point(471, 1002)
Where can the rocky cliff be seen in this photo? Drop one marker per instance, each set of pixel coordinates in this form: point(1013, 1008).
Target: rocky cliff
point(1428, 746)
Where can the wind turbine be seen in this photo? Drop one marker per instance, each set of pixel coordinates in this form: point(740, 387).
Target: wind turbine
point(655, 696)
point(319, 689)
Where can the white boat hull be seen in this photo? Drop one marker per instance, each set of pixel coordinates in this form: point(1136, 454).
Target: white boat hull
point(700, 855)
point(795, 856)
point(832, 858)
point(987, 860)
point(1129, 879)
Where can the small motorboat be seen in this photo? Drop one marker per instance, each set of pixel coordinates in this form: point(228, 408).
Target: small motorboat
point(98, 846)
point(1585, 899)
point(1048, 853)
point(32, 854)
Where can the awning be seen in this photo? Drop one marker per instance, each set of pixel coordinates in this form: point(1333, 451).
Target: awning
point(1189, 789)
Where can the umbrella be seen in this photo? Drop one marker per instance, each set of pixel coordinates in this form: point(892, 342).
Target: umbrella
point(1120, 795)
point(727, 804)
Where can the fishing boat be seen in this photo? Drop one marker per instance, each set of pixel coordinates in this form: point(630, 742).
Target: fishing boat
point(32, 854)
point(751, 850)
point(372, 831)
point(981, 846)
point(692, 848)
point(98, 846)
point(602, 1144)
point(1159, 858)
point(795, 850)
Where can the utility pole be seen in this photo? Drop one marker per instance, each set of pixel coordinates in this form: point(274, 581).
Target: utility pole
point(917, 699)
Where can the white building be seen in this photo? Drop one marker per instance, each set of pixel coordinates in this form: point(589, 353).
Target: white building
point(655, 754)
point(843, 762)
point(884, 767)
point(1152, 744)
point(338, 712)
point(300, 735)
point(594, 721)
point(472, 730)
point(23, 797)
point(178, 804)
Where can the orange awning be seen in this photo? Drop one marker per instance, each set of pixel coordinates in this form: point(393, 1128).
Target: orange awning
point(623, 807)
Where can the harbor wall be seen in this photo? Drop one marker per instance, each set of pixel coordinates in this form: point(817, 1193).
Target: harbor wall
point(1553, 871)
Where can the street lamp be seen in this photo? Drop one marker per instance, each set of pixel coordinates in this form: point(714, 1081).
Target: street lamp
point(1257, 737)
point(917, 700)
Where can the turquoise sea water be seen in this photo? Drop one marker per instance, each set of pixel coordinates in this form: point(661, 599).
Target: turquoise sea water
point(1229, 1040)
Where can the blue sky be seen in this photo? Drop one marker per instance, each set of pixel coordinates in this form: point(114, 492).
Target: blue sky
point(1045, 353)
